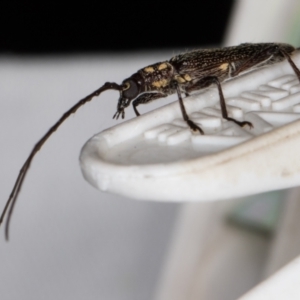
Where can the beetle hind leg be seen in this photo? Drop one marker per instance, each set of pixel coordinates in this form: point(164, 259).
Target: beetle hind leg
point(207, 81)
point(223, 106)
point(240, 123)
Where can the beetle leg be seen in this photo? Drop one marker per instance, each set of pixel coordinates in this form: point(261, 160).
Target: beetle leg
point(185, 116)
point(146, 98)
point(207, 81)
point(292, 64)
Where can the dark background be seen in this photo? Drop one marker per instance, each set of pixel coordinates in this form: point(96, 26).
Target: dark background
point(47, 27)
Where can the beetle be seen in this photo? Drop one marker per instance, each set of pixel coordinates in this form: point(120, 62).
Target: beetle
point(182, 74)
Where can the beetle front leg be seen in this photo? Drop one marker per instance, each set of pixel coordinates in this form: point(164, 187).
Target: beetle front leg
point(146, 98)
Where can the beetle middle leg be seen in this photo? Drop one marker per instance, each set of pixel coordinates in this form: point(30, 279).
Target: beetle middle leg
point(148, 97)
point(185, 116)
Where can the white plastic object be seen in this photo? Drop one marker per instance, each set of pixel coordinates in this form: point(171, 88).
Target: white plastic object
point(282, 285)
point(156, 157)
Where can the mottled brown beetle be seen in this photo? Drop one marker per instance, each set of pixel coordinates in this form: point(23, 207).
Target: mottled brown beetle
point(182, 74)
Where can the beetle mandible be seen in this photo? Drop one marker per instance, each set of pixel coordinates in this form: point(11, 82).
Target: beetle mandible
point(182, 74)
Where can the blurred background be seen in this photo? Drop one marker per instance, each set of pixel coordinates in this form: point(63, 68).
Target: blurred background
point(37, 28)
point(68, 240)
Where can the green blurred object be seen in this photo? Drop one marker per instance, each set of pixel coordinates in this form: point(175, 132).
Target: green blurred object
point(259, 213)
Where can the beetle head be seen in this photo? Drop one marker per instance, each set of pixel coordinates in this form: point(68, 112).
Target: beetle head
point(130, 89)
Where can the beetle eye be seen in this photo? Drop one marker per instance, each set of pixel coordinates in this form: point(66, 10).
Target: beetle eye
point(130, 89)
point(126, 86)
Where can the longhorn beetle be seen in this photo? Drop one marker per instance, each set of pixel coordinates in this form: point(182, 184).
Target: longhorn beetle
point(182, 74)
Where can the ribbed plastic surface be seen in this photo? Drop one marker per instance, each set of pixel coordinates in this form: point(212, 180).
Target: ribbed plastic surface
point(156, 157)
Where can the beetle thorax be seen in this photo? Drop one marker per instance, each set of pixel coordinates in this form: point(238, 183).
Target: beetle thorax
point(157, 76)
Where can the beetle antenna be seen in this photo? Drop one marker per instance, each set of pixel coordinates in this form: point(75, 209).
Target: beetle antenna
point(10, 203)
